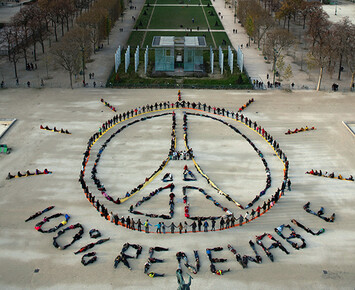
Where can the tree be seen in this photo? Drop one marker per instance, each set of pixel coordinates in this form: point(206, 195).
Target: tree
point(287, 74)
point(94, 21)
point(67, 53)
point(306, 8)
point(277, 40)
point(342, 44)
point(320, 36)
point(263, 23)
point(249, 26)
point(286, 11)
point(22, 20)
point(13, 36)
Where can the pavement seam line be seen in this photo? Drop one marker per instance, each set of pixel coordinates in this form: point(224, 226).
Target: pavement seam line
point(145, 33)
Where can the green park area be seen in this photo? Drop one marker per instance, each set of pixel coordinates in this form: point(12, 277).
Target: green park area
point(179, 18)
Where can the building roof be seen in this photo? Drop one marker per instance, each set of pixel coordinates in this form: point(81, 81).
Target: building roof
point(172, 41)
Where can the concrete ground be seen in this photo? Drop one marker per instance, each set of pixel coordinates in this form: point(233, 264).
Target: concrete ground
point(30, 261)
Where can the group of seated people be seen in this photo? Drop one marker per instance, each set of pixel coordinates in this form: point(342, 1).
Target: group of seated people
point(108, 105)
point(299, 130)
point(28, 173)
point(54, 129)
point(329, 175)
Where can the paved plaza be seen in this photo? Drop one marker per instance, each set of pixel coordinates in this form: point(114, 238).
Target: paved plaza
point(29, 259)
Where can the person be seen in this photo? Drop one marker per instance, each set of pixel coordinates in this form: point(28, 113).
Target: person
point(240, 220)
point(155, 260)
point(246, 217)
point(172, 227)
point(139, 225)
point(10, 176)
point(221, 224)
point(153, 275)
point(181, 281)
point(205, 226)
point(185, 227)
point(146, 226)
point(213, 225)
point(199, 224)
point(180, 227)
point(289, 184)
point(146, 267)
point(158, 227)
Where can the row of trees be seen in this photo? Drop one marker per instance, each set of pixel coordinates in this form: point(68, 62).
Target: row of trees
point(35, 23)
point(331, 45)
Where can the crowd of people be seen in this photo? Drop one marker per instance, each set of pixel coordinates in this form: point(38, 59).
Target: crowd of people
point(275, 244)
point(243, 261)
point(167, 105)
point(123, 257)
point(39, 225)
point(76, 237)
point(151, 260)
point(293, 235)
point(329, 175)
point(94, 177)
point(307, 229)
point(54, 130)
point(38, 213)
point(319, 213)
point(299, 130)
point(153, 193)
point(108, 105)
point(267, 170)
point(228, 214)
point(28, 173)
point(214, 260)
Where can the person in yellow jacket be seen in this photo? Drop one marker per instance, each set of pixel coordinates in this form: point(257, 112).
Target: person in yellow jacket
point(153, 275)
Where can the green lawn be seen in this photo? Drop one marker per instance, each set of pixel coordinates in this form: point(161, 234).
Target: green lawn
point(135, 38)
point(193, 2)
point(166, 17)
point(212, 18)
point(143, 18)
point(219, 37)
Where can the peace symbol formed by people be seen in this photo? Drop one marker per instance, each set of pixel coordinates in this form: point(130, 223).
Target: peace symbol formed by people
point(178, 190)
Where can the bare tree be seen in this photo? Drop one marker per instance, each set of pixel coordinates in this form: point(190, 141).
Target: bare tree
point(320, 36)
point(343, 41)
point(277, 41)
point(67, 53)
point(12, 34)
